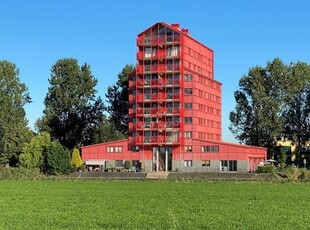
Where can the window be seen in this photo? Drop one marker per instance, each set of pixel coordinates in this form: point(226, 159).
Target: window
point(188, 77)
point(205, 163)
point(118, 163)
point(135, 148)
point(188, 148)
point(210, 148)
point(110, 149)
point(214, 148)
point(188, 163)
point(187, 134)
point(188, 105)
point(229, 166)
point(188, 119)
point(205, 148)
point(188, 91)
point(119, 149)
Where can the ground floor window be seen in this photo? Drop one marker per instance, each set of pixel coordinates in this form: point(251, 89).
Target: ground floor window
point(188, 163)
point(228, 166)
point(118, 163)
point(205, 163)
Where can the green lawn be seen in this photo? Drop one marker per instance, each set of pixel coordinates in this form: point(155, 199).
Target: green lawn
point(80, 204)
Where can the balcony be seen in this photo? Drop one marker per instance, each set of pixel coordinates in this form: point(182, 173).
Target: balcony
point(155, 140)
point(158, 54)
point(154, 40)
point(158, 68)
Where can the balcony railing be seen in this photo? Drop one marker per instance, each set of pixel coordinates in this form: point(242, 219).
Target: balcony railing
point(155, 140)
point(154, 40)
point(158, 96)
point(158, 68)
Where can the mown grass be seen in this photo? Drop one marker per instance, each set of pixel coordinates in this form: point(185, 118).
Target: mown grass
point(80, 204)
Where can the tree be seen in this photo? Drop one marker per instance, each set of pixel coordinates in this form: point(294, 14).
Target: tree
point(76, 160)
point(118, 99)
point(256, 118)
point(71, 109)
point(282, 157)
point(57, 159)
point(106, 132)
point(32, 153)
point(296, 106)
point(13, 124)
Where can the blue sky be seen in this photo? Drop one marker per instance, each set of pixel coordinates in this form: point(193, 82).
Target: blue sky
point(242, 34)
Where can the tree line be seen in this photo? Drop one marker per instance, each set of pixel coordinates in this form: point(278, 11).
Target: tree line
point(273, 102)
point(73, 116)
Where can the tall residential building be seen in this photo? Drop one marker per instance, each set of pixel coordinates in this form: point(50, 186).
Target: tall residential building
point(175, 111)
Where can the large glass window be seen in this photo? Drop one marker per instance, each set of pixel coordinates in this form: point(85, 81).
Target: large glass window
point(228, 165)
point(118, 163)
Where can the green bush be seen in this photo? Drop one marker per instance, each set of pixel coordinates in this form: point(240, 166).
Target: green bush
point(266, 169)
point(295, 174)
point(19, 173)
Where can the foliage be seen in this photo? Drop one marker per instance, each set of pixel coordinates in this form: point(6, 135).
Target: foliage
point(271, 102)
point(32, 153)
point(14, 173)
point(255, 120)
point(296, 106)
point(174, 205)
point(57, 159)
point(127, 164)
point(76, 160)
point(292, 173)
point(117, 98)
point(282, 157)
point(71, 109)
point(13, 125)
point(266, 169)
point(106, 132)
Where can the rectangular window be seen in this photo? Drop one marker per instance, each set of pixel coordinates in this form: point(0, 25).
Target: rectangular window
point(188, 163)
point(110, 149)
point(187, 134)
point(118, 149)
point(188, 119)
point(188, 91)
point(188, 77)
point(205, 163)
point(188, 105)
point(135, 148)
point(118, 163)
point(188, 148)
point(205, 148)
point(229, 166)
point(214, 148)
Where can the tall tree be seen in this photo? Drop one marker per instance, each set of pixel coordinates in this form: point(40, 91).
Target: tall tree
point(296, 108)
point(117, 97)
point(256, 118)
point(71, 108)
point(13, 124)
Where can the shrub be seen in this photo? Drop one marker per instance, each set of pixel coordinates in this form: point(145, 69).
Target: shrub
point(266, 169)
point(19, 173)
point(293, 173)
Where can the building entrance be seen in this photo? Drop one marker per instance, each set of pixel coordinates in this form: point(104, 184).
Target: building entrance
point(162, 159)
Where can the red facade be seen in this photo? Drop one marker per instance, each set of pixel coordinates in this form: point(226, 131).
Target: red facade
point(175, 109)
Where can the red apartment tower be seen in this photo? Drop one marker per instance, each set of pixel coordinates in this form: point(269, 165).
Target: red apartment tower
point(175, 111)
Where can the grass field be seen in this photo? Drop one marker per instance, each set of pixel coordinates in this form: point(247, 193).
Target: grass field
point(80, 204)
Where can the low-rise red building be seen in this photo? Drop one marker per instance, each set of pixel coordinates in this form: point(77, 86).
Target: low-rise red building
point(175, 114)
